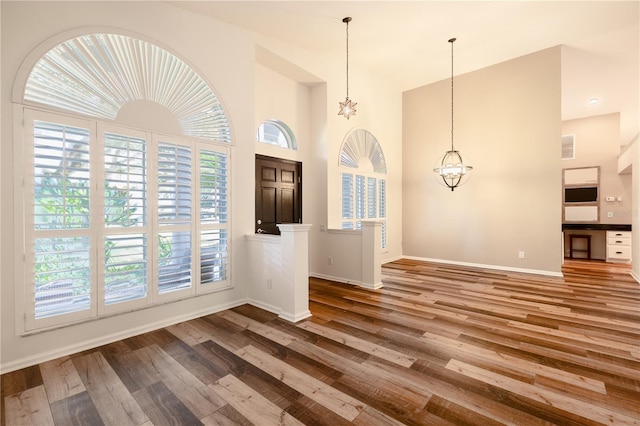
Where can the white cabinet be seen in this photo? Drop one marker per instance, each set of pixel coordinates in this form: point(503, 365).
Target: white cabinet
point(618, 246)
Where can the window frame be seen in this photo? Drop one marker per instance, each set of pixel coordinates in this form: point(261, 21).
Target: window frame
point(284, 130)
point(26, 322)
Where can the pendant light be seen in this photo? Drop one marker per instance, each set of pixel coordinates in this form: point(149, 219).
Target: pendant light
point(451, 170)
point(348, 107)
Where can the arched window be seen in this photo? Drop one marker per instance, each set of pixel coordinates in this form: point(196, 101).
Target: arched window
point(274, 132)
point(117, 218)
point(99, 74)
point(363, 177)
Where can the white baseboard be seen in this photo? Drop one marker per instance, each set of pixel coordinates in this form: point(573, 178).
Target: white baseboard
point(393, 259)
point(495, 267)
point(635, 276)
point(332, 278)
point(295, 318)
point(266, 306)
point(347, 281)
point(110, 338)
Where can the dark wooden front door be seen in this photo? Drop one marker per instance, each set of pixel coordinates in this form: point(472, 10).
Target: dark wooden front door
point(278, 193)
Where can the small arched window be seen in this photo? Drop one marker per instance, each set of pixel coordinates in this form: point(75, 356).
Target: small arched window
point(275, 132)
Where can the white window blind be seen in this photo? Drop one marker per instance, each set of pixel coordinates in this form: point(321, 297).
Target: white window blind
point(125, 268)
point(174, 211)
point(347, 197)
point(98, 231)
point(361, 197)
point(371, 198)
point(61, 247)
point(62, 275)
point(174, 184)
point(213, 187)
point(214, 245)
point(382, 199)
point(125, 190)
point(213, 256)
point(61, 176)
point(174, 261)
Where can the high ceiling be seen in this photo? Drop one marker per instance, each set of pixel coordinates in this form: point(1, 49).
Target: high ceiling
point(406, 41)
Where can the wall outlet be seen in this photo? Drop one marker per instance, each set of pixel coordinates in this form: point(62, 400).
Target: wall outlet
point(609, 214)
point(521, 254)
point(330, 260)
point(269, 283)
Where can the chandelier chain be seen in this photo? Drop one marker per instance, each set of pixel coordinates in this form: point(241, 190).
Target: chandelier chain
point(347, 22)
point(451, 41)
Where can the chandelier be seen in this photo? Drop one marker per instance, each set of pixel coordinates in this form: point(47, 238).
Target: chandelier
point(451, 170)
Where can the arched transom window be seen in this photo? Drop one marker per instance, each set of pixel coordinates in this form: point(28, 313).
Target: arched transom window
point(275, 132)
point(98, 74)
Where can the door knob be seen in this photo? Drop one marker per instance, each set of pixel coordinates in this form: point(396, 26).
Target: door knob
point(259, 222)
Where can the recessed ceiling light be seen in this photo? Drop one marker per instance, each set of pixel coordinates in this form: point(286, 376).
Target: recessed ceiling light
point(593, 101)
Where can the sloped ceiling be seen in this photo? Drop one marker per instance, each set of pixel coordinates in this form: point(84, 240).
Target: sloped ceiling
point(406, 41)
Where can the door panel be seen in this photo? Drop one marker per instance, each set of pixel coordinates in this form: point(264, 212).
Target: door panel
point(278, 193)
point(269, 204)
point(288, 205)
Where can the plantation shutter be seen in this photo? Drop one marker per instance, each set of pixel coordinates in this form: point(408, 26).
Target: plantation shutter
point(347, 200)
point(60, 256)
point(214, 200)
point(125, 242)
point(174, 217)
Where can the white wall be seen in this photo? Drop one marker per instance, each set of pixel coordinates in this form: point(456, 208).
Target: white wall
point(507, 125)
point(224, 57)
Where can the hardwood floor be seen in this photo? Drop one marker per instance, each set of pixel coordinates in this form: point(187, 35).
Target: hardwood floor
point(438, 345)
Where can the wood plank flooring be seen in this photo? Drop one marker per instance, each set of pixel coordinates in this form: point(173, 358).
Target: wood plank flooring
point(437, 345)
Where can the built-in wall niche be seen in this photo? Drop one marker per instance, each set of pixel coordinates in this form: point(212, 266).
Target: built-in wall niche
point(581, 195)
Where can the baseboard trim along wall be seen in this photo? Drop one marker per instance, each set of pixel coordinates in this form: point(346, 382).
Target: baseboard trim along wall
point(345, 281)
point(635, 276)
point(494, 267)
point(104, 340)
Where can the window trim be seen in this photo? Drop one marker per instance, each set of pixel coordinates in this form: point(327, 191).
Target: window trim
point(25, 321)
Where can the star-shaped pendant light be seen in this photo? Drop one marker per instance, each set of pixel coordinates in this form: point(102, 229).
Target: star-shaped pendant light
point(348, 107)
